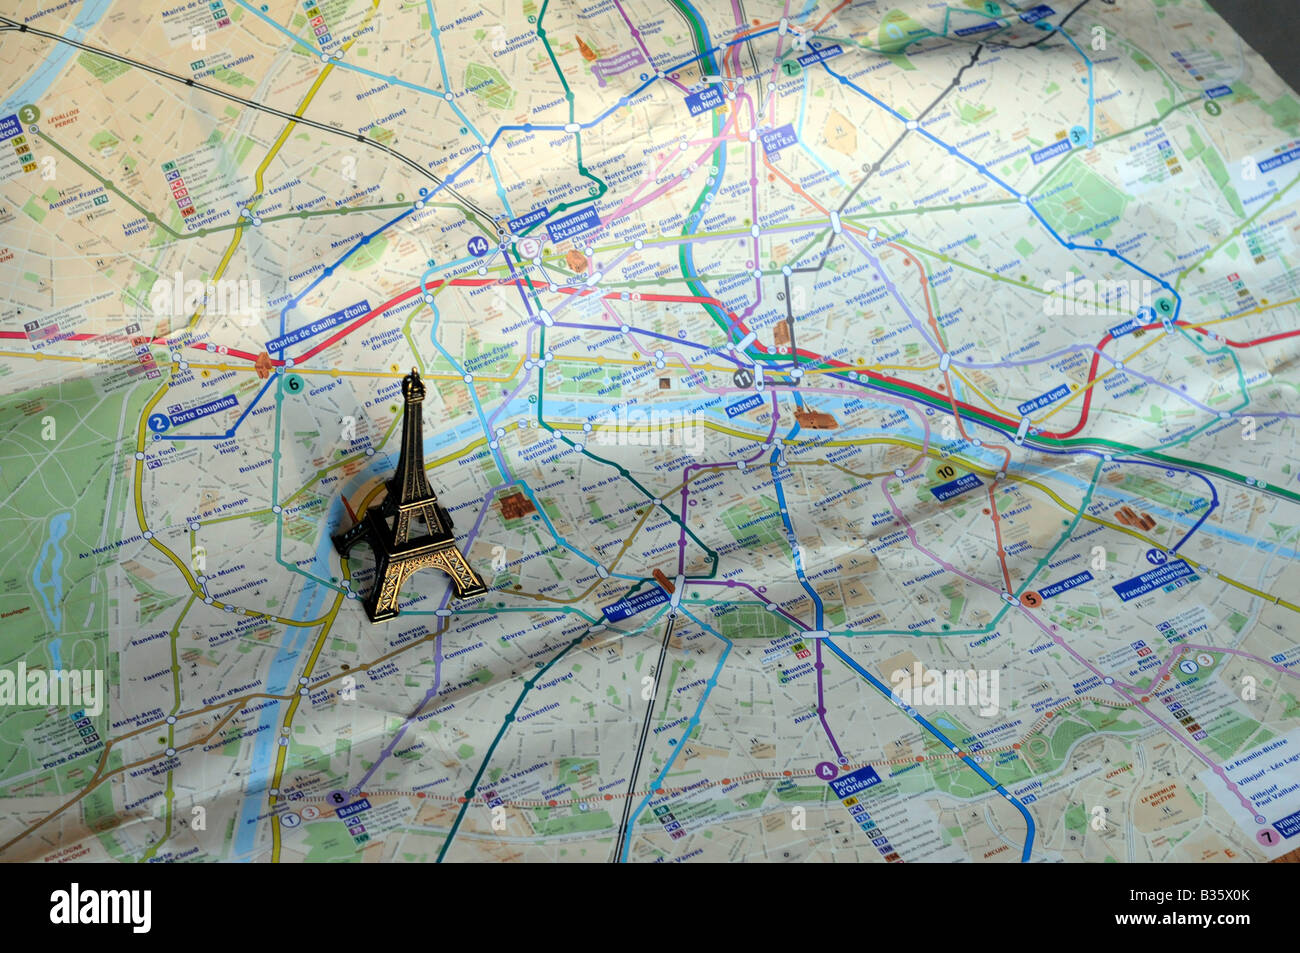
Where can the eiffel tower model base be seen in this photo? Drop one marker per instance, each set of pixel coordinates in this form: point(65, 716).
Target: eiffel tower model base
point(387, 528)
point(394, 565)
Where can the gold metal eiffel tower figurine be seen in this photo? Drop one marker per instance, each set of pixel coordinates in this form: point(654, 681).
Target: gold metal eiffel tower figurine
point(388, 528)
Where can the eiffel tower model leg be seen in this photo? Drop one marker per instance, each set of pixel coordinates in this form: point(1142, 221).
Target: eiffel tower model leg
point(343, 542)
point(381, 604)
point(464, 580)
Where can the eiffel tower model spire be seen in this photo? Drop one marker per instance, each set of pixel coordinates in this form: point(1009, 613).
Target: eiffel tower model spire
point(387, 529)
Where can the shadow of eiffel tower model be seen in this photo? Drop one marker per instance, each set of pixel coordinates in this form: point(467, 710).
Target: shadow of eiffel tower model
point(387, 528)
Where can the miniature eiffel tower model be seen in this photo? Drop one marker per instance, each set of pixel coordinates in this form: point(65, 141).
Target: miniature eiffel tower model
point(387, 528)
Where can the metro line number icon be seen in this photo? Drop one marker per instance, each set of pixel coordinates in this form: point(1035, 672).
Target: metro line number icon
point(477, 246)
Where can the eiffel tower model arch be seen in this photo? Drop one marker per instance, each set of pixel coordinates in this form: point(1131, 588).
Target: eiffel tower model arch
point(388, 528)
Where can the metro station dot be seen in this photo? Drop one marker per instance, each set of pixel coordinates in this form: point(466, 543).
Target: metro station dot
point(170, 752)
point(171, 719)
point(139, 455)
point(276, 508)
point(148, 534)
